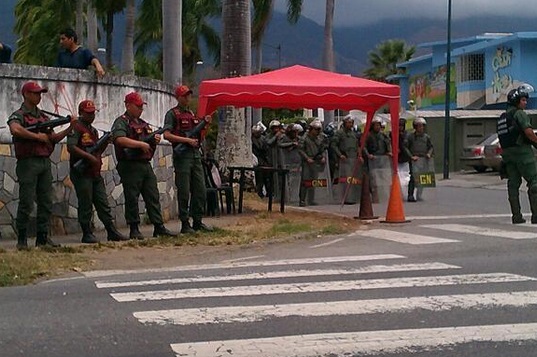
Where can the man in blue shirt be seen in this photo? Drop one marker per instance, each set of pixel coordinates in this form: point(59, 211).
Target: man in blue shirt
point(74, 55)
point(5, 53)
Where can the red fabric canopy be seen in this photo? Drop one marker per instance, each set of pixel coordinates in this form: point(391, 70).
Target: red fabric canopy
point(299, 87)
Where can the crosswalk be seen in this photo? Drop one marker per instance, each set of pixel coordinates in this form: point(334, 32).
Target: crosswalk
point(302, 292)
point(436, 233)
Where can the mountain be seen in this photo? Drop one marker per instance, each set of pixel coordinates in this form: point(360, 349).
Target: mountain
point(302, 43)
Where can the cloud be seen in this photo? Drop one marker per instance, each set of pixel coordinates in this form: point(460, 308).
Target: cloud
point(356, 12)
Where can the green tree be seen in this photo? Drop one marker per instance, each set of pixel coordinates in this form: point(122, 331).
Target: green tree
point(384, 58)
point(106, 9)
point(38, 24)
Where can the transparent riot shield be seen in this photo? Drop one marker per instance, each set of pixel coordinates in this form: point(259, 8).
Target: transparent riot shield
point(292, 161)
point(316, 185)
point(380, 173)
point(349, 180)
point(403, 170)
point(423, 175)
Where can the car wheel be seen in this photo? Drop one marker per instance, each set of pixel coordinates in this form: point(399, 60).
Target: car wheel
point(480, 169)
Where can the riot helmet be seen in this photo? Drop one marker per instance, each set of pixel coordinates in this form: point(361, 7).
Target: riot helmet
point(514, 95)
point(419, 121)
point(274, 123)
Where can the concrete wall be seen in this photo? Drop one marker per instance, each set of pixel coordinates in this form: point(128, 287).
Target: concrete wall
point(67, 87)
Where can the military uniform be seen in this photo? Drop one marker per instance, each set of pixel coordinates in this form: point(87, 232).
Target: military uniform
point(417, 145)
point(33, 173)
point(520, 163)
point(344, 142)
point(189, 175)
point(379, 145)
point(312, 147)
point(89, 184)
point(136, 173)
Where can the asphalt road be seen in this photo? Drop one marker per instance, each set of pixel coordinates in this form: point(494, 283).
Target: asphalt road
point(457, 280)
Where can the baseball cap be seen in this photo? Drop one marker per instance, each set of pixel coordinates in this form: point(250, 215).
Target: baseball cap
point(86, 106)
point(33, 87)
point(134, 98)
point(181, 91)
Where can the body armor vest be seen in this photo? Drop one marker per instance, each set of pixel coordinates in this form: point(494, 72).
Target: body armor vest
point(137, 130)
point(507, 129)
point(32, 148)
point(88, 137)
point(184, 122)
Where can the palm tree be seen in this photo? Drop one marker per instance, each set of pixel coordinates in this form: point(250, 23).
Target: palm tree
point(127, 54)
point(328, 51)
point(106, 9)
point(92, 28)
point(385, 57)
point(172, 41)
point(262, 15)
point(234, 131)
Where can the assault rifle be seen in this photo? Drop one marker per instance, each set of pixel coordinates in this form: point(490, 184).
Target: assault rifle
point(181, 148)
point(49, 124)
point(131, 153)
point(82, 164)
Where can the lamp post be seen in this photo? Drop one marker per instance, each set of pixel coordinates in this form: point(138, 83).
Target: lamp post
point(448, 96)
point(279, 49)
point(198, 77)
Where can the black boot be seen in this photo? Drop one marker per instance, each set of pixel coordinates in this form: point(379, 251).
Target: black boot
point(113, 234)
point(199, 226)
point(87, 234)
point(186, 228)
point(160, 230)
point(135, 232)
point(22, 241)
point(43, 240)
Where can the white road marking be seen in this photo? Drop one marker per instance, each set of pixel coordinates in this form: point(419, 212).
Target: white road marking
point(241, 314)
point(266, 263)
point(327, 243)
point(354, 343)
point(413, 218)
point(281, 274)
point(242, 259)
point(482, 231)
point(350, 285)
point(401, 237)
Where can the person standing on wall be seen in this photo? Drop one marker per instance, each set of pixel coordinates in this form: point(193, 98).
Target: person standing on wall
point(88, 182)
point(5, 53)
point(75, 56)
point(33, 150)
point(516, 139)
point(135, 171)
point(189, 177)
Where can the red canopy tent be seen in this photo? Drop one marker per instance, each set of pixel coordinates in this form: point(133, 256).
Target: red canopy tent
point(298, 87)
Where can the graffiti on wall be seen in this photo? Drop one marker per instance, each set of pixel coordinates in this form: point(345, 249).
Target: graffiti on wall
point(502, 81)
point(430, 88)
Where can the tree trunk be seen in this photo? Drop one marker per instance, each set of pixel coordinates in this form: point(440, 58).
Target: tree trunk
point(234, 142)
point(79, 26)
point(172, 41)
point(109, 38)
point(127, 54)
point(92, 43)
point(328, 52)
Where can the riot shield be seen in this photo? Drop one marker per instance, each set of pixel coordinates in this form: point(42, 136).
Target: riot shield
point(349, 180)
point(403, 170)
point(380, 173)
point(316, 185)
point(292, 161)
point(423, 175)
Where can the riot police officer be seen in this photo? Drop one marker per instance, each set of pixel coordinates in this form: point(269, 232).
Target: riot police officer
point(312, 149)
point(417, 145)
point(516, 139)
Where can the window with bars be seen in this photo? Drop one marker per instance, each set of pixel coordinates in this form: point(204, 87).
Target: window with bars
point(471, 68)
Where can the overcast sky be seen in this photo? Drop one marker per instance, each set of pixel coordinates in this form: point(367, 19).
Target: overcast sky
point(353, 12)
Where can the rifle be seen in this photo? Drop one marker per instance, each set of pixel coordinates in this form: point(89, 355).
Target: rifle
point(181, 148)
point(49, 124)
point(81, 164)
point(131, 153)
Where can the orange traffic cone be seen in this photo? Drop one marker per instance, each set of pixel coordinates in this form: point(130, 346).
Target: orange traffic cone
point(366, 207)
point(394, 213)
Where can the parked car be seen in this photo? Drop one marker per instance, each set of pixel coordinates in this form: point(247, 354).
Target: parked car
point(493, 154)
point(474, 155)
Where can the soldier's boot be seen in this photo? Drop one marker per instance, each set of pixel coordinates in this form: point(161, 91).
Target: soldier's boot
point(22, 241)
point(87, 235)
point(160, 230)
point(200, 226)
point(186, 228)
point(532, 195)
point(43, 240)
point(516, 215)
point(135, 232)
point(113, 234)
